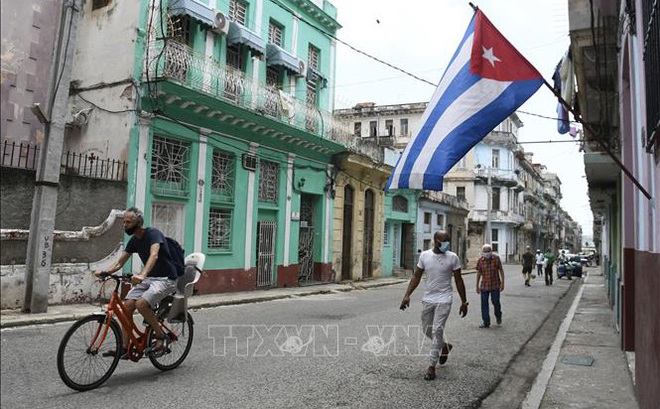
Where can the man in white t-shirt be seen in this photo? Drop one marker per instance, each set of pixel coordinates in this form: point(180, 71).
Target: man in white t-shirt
point(439, 264)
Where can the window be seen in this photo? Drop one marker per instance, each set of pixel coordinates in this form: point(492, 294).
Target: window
point(357, 129)
point(170, 166)
point(462, 163)
point(399, 204)
point(238, 11)
point(268, 181)
point(386, 234)
point(222, 176)
point(495, 205)
point(440, 220)
point(275, 33)
point(389, 125)
point(219, 237)
point(427, 222)
point(427, 244)
point(180, 28)
point(494, 238)
point(496, 159)
point(373, 128)
point(460, 192)
point(313, 57)
point(403, 125)
point(168, 218)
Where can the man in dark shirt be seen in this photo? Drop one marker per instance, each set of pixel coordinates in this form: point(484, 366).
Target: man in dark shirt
point(528, 264)
point(154, 282)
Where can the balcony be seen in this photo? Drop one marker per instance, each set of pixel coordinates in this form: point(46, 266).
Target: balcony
point(500, 216)
point(178, 63)
point(505, 177)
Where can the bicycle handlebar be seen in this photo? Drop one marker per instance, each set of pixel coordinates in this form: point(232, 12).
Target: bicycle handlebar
point(104, 276)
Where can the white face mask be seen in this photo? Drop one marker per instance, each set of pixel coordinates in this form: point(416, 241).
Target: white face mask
point(487, 254)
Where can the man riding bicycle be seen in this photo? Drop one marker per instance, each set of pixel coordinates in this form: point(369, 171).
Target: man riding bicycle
point(156, 280)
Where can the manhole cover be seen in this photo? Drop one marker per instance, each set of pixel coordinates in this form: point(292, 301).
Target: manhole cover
point(583, 360)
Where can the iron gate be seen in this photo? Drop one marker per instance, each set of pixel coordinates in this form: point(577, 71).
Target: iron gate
point(305, 254)
point(265, 253)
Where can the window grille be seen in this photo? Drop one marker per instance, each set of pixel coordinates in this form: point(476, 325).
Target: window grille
point(313, 57)
point(222, 177)
point(180, 29)
point(219, 229)
point(268, 181)
point(168, 218)
point(386, 234)
point(238, 11)
point(170, 166)
point(275, 33)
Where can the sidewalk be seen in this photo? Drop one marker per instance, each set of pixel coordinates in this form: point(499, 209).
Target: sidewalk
point(71, 312)
point(586, 367)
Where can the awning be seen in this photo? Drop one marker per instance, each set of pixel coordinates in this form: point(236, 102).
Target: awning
point(241, 35)
point(194, 10)
point(315, 75)
point(276, 55)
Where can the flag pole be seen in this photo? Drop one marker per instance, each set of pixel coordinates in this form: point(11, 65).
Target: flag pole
point(607, 149)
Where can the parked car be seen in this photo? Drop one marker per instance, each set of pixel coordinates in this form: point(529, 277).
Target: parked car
point(570, 268)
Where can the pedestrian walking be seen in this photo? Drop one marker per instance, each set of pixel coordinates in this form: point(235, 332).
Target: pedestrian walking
point(439, 264)
point(490, 283)
point(540, 261)
point(549, 260)
point(527, 264)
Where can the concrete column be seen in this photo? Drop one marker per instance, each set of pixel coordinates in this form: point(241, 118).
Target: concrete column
point(201, 187)
point(44, 204)
point(287, 210)
point(249, 214)
point(327, 220)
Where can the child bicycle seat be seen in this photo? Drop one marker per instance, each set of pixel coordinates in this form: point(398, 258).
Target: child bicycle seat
point(184, 287)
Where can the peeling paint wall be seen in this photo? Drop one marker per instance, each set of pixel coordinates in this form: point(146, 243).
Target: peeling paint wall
point(69, 283)
point(29, 29)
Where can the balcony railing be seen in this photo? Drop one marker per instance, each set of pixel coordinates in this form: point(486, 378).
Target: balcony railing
point(180, 63)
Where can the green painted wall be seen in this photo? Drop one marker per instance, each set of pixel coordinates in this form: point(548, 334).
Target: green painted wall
point(392, 218)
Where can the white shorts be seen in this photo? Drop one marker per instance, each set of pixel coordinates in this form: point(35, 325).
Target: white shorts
point(152, 289)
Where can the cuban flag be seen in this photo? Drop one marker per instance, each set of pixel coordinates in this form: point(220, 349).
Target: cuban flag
point(486, 81)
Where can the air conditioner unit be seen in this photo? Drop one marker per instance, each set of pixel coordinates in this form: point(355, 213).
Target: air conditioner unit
point(220, 23)
point(302, 69)
point(249, 162)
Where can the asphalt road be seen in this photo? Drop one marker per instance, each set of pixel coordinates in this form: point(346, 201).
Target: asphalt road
point(350, 349)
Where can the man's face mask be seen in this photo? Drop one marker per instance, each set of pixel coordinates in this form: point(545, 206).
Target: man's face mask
point(443, 246)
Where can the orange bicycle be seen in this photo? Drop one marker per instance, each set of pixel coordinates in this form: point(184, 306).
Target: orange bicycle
point(84, 357)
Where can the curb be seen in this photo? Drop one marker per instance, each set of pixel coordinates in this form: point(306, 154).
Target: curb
point(23, 320)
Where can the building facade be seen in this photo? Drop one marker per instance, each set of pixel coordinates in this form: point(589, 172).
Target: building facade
point(619, 97)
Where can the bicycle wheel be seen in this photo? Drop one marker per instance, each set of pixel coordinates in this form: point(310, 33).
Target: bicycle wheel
point(177, 350)
point(80, 368)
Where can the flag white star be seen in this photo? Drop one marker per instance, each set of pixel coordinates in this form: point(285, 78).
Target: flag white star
point(488, 54)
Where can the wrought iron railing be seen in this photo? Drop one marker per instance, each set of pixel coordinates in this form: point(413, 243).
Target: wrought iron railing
point(24, 155)
point(179, 62)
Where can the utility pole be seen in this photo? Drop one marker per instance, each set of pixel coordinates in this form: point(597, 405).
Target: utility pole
point(44, 204)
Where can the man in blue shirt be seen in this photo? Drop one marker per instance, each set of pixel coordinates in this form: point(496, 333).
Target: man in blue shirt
point(157, 278)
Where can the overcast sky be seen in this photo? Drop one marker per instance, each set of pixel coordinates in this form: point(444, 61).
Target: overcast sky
point(420, 36)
